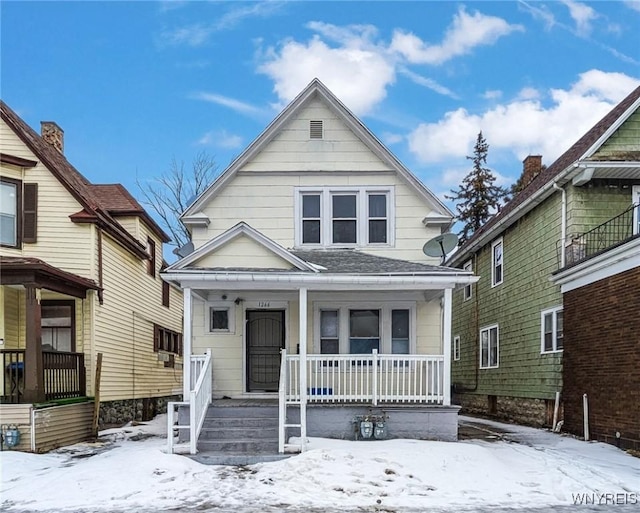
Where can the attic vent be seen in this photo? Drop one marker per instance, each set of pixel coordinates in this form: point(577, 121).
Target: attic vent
point(315, 129)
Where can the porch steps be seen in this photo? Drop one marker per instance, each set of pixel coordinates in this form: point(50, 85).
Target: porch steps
point(239, 433)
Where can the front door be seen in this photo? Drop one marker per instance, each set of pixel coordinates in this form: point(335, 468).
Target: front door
point(265, 338)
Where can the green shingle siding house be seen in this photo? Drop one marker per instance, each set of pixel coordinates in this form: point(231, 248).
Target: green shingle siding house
point(508, 328)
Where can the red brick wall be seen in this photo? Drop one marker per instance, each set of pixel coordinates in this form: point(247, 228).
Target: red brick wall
point(602, 358)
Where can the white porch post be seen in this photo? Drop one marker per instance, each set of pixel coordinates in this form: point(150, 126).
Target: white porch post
point(446, 347)
point(302, 305)
point(186, 341)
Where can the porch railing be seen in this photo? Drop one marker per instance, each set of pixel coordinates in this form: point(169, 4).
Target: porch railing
point(199, 400)
point(64, 375)
point(615, 231)
point(374, 378)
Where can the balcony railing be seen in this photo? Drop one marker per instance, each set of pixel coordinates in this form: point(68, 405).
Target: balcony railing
point(64, 375)
point(614, 232)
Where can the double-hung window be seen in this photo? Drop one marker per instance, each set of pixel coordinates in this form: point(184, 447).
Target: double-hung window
point(497, 263)
point(468, 291)
point(359, 328)
point(344, 216)
point(10, 206)
point(552, 330)
point(489, 347)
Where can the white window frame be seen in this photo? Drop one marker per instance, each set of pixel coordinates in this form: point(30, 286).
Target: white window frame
point(467, 289)
point(488, 329)
point(498, 242)
point(456, 349)
point(386, 334)
point(230, 307)
point(635, 200)
point(362, 215)
point(554, 327)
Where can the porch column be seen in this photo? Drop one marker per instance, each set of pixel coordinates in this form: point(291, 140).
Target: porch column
point(186, 344)
point(446, 346)
point(302, 305)
point(33, 368)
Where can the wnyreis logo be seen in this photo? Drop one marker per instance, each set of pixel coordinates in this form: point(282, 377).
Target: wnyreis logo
point(601, 499)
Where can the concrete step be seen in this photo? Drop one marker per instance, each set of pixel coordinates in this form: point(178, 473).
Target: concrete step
point(231, 422)
point(239, 433)
point(242, 411)
point(208, 458)
point(249, 447)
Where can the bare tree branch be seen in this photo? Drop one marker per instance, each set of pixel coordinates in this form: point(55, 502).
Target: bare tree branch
point(171, 193)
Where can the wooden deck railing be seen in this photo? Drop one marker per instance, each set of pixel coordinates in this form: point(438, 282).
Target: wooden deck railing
point(371, 378)
point(64, 375)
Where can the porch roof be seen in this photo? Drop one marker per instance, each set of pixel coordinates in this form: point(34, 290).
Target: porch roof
point(37, 273)
point(332, 270)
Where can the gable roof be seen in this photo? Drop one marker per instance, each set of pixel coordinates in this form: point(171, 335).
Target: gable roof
point(242, 229)
point(85, 193)
point(317, 89)
point(542, 184)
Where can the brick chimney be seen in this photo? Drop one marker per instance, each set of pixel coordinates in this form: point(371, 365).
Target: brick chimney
point(532, 166)
point(52, 134)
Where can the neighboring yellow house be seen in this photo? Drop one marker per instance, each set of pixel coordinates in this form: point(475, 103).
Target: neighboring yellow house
point(80, 276)
point(311, 242)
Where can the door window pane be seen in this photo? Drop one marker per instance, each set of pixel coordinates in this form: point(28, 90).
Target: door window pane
point(400, 331)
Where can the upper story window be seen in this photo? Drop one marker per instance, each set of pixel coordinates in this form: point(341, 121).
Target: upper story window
point(10, 212)
point(151, 263)
point(497, 263)
point(344, 217)
point(552, 330)
point(468, 290)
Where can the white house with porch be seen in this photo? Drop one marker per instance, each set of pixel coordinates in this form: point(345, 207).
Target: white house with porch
point(306, 286)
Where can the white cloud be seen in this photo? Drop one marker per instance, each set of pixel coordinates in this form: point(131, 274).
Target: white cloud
point(525, 125)
point(225, 101)
point(390, 138)
point(427, 82)
point(529, 93)
point(540, 12)
point(633, 4)
point(357, 72)
point(582, 15)
point(493, 94)
point(220, 139)
point(466, 32)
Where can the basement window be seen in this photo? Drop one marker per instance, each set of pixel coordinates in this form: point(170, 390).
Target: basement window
point(316, 130)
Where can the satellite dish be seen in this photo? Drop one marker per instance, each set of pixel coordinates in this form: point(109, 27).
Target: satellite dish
point(185, 250)
point(440, 246)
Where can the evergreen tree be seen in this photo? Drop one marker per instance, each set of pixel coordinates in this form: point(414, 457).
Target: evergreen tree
point(477, 197)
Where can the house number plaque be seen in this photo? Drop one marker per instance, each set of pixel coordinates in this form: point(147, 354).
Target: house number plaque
point(264, 304)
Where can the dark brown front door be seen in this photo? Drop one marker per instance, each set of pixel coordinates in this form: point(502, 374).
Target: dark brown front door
point(265, 338)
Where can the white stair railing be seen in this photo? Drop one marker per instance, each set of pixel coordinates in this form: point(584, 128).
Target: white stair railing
point(289, 377)
point(199, 400)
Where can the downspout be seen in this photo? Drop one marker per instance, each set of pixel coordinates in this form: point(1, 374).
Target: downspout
point(563, 225)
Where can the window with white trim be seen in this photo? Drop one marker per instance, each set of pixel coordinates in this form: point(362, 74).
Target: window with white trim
point(497, 263)
point(456, 348)
point(552, 330)
point(467, 291)
point(10, 212)
point(221, 317)
point(359, 328)
point(635, 192)
point(344, 216)
point(489, 347)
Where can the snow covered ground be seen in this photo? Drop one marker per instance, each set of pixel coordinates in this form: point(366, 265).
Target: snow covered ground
point(129, 470)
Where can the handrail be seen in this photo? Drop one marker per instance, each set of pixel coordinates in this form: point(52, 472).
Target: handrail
point(282, 398)
point(199, 400)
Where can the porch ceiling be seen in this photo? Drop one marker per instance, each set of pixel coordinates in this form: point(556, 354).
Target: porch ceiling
point(37, 273)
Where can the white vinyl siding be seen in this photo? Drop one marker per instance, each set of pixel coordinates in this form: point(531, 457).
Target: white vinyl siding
point(552, 330)
point(497, 262)
point(489, 347)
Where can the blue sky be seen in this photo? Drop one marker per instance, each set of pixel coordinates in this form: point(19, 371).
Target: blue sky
point(135, 84)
